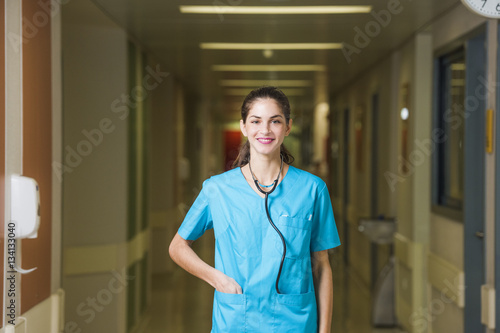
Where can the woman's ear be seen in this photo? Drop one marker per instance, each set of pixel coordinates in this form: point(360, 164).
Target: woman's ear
point(289, 127)
point(243, 128)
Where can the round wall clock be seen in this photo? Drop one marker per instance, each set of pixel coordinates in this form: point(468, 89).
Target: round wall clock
point(486, 8)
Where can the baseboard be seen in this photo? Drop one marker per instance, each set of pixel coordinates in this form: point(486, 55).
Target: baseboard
point(35, 320)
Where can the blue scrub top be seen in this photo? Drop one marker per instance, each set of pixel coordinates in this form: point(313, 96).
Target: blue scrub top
point(249, 250)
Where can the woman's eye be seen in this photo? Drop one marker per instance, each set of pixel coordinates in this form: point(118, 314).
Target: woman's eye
point(276, 122)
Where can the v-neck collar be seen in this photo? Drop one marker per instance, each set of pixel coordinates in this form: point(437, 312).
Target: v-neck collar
point(282, 188)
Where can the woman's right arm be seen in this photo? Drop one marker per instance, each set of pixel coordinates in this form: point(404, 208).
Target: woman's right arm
point(182, 254)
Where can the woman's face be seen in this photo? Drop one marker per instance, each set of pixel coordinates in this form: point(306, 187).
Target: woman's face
point(265, 127)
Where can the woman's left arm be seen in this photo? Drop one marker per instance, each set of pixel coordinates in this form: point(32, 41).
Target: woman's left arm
point(323, 285)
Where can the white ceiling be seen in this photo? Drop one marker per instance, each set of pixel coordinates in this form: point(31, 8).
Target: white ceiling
point(174, 38)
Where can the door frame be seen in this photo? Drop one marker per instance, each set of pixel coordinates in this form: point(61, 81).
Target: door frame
point(496, 144)
point(474, 184)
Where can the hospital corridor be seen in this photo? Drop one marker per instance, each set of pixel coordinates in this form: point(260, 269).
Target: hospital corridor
point(119, 116)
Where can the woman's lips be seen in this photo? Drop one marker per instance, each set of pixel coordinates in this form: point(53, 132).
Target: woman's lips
point(265, 140)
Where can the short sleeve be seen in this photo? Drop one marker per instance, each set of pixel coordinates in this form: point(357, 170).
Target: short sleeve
point(198, 219)
point(324, 233)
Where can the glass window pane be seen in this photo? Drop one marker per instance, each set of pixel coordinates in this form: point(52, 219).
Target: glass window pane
point(451, 121)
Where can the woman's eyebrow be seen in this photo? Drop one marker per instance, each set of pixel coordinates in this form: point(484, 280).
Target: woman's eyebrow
point(275, 116)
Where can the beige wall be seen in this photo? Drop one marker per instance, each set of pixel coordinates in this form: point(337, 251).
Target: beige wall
point(97, 252)
point(421, 233)
point(165, 208)
point(122, 202)
point(95, 74)
point(358, 98)
point(405, 74)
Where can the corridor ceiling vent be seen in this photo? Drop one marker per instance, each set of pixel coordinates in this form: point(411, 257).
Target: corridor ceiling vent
point(258, 83)
point(271, 46)
point(275, 10)
point(244, 92)
point(269, 68)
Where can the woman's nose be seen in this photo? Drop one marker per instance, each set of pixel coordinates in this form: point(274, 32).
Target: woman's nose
point(265, 128)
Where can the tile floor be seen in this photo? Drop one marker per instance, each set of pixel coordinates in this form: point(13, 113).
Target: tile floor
point(183, 304)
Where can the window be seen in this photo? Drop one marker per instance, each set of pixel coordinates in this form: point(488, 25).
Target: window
point(449, 164)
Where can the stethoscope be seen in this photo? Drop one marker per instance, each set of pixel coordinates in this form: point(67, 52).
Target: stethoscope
point(266, 193)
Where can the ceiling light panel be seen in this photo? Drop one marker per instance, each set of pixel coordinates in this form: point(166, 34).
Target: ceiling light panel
point(273, 10)
point(269, 68)
point(245, 92)
point(271, 46)
point(258, 83)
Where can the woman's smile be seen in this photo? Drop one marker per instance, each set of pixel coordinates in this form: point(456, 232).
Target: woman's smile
point(265, 140)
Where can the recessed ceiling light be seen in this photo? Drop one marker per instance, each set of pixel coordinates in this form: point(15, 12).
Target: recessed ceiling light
point(405, 113)
point(269, 68)
point(275, 9)
point(258, 83)
point(244, 92)
point(271, 46)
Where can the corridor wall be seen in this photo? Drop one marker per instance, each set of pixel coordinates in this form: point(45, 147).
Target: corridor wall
point(427, 245)
point(357, 99)
point(165, 185)
point(112, 88)
point(95, 73)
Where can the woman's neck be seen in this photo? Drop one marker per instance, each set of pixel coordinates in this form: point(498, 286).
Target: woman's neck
point(265, 168)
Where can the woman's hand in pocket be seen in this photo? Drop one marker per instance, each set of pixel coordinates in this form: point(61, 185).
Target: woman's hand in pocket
point(228, 285)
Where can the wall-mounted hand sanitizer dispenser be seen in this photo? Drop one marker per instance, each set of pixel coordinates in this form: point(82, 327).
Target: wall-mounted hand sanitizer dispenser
point(25, 206)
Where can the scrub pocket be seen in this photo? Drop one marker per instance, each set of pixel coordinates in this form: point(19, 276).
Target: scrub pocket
point(297, 233)
point(229, 312)
point(295, 313)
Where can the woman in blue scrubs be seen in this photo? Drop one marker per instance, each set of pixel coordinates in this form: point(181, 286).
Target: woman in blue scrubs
point(249, 296)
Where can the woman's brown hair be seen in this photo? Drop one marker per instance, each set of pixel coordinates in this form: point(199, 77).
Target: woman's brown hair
point(280, 98)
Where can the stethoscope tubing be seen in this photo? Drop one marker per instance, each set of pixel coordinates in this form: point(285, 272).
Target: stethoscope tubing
point(266, 193)
point(282, 241)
